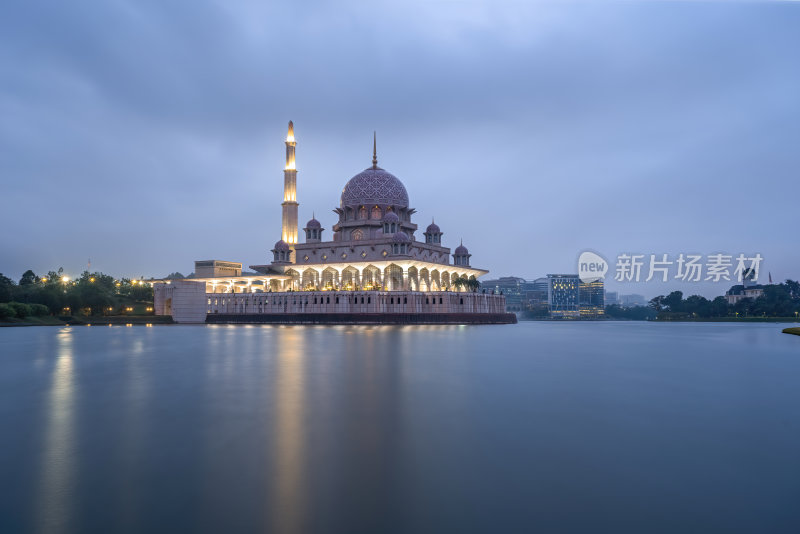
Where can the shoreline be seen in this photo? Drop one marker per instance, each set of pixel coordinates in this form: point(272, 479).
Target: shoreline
point(88, 321)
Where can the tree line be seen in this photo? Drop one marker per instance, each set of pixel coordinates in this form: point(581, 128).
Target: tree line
point(54, 294)
point(778, 300)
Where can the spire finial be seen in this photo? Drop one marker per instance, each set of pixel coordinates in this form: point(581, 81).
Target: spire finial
point(290, 133)
point(374, 150)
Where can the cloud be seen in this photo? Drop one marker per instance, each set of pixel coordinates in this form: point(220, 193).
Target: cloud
point(149, 134)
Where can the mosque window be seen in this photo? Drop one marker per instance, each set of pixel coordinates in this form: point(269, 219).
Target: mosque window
point(362, 212)
point(357, 235)
point(376, 212)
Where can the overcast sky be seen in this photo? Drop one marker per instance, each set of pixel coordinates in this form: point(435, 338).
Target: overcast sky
point(148, 134)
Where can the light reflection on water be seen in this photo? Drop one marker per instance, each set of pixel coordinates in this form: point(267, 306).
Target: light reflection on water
point(567, 427)
point(287, 507)
point(58, 454)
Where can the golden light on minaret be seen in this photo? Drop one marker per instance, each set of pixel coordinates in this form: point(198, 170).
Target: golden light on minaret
point(289, 216)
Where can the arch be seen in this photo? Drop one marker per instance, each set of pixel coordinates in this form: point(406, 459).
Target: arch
point(376, 213)
point(294, 283)
point(371, 278)
point(330, 278)
point(357, 235)
point(309, 280)
point(445, 280)
point(436, 282)
point(350, 280)
point(393, 277)
point(424, 279)
point(362, 212)
point(413, 279)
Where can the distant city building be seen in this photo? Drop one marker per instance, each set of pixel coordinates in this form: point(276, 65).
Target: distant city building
point(536, 292)
point(512, 287)
point(592, 299)
point(563, 296)
point(743, 291)
point(629, 301)
point(611, 298)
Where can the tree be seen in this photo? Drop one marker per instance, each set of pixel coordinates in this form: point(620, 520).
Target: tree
point(657, 303)
point(28, 278)
point(6, 288)
point(719, 307)
point(473, 284)
point(674, 301)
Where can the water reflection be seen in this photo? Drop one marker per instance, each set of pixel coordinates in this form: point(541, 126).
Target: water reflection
point(288, 504)
point(135, 391)
point(58, 452)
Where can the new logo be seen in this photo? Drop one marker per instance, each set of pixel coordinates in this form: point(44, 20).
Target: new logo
point(591, 267)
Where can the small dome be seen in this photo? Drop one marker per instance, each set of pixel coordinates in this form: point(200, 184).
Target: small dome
point(313, 223)
point(433, 228)
point(391, 217)
point(401, 237)
point(281, 245)
point(461, 250)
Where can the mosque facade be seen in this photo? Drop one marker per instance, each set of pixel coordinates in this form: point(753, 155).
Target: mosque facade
point(372, 266)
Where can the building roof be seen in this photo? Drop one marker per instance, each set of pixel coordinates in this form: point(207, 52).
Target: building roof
point(374, 186)
point(281, 245)
point(401, 237)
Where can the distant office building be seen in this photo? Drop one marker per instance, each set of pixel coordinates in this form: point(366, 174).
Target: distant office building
point(629, 301)
point(563, 296)
point(611, 298)
point(513, 289)
point(591, 299)
point(536, 292)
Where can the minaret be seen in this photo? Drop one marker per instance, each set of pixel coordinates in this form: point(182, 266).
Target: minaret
point(289, 220)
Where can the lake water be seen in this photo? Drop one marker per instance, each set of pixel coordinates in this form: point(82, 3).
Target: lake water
point(536, 427)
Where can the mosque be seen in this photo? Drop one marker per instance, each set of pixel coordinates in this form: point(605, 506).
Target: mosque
point(373, 270)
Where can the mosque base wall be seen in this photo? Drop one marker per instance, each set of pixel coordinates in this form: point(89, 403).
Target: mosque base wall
point(188, 302)
point(364, 318)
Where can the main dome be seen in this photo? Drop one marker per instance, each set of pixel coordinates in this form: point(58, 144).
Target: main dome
point(374, 186)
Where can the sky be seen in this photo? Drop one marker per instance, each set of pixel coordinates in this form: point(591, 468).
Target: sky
point(145, 135)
